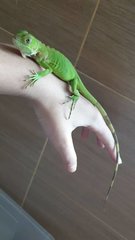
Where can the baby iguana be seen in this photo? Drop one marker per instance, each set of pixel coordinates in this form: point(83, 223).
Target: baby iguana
point(55, 62)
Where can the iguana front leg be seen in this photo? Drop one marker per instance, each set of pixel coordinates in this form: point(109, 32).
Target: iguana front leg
point(31, 79)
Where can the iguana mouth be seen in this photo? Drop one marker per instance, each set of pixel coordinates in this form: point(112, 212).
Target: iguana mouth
point(25, 51)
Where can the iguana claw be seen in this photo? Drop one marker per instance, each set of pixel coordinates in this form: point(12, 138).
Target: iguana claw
point(74, 99)
point(31, 79)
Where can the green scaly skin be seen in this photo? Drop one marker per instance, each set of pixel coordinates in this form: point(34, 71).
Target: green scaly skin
point(55, 62)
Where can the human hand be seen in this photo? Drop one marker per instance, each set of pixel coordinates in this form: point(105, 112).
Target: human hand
point(53, 116)
point(48, 95)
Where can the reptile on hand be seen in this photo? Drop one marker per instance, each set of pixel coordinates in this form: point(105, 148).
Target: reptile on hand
point(55, 62)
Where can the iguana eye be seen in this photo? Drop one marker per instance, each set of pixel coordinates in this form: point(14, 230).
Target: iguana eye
point(27, 40)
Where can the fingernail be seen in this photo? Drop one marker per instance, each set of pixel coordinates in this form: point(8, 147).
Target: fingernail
point(72, 168)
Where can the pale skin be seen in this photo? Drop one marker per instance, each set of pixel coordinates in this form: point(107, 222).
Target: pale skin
point(48, 96)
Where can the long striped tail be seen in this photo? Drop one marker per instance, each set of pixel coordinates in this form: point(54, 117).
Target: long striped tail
point(83, 90)
point(109, 124)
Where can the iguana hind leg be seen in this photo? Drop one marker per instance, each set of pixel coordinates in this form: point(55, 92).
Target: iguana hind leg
point(73, 83)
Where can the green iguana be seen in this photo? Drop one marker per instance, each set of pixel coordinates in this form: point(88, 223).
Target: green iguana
point(55, 62)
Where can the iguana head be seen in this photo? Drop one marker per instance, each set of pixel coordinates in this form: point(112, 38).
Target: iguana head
point(26, 43)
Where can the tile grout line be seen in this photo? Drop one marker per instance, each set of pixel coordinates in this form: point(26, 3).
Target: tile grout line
point(108, 88)
point(34, 173)
point(6, 31)
point(89, 212)
point(87, 32)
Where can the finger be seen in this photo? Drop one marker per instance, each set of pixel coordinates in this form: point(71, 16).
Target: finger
point(88, 115)
point(105, 136)
point(100, 143)
point(67, 152)
point(85, 132)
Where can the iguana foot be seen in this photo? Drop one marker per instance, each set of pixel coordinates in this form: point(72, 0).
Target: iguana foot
point(74, 99)
point(68, 99)
point(31, 79)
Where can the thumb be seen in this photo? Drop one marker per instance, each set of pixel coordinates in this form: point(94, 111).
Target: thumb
point(64, 146)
